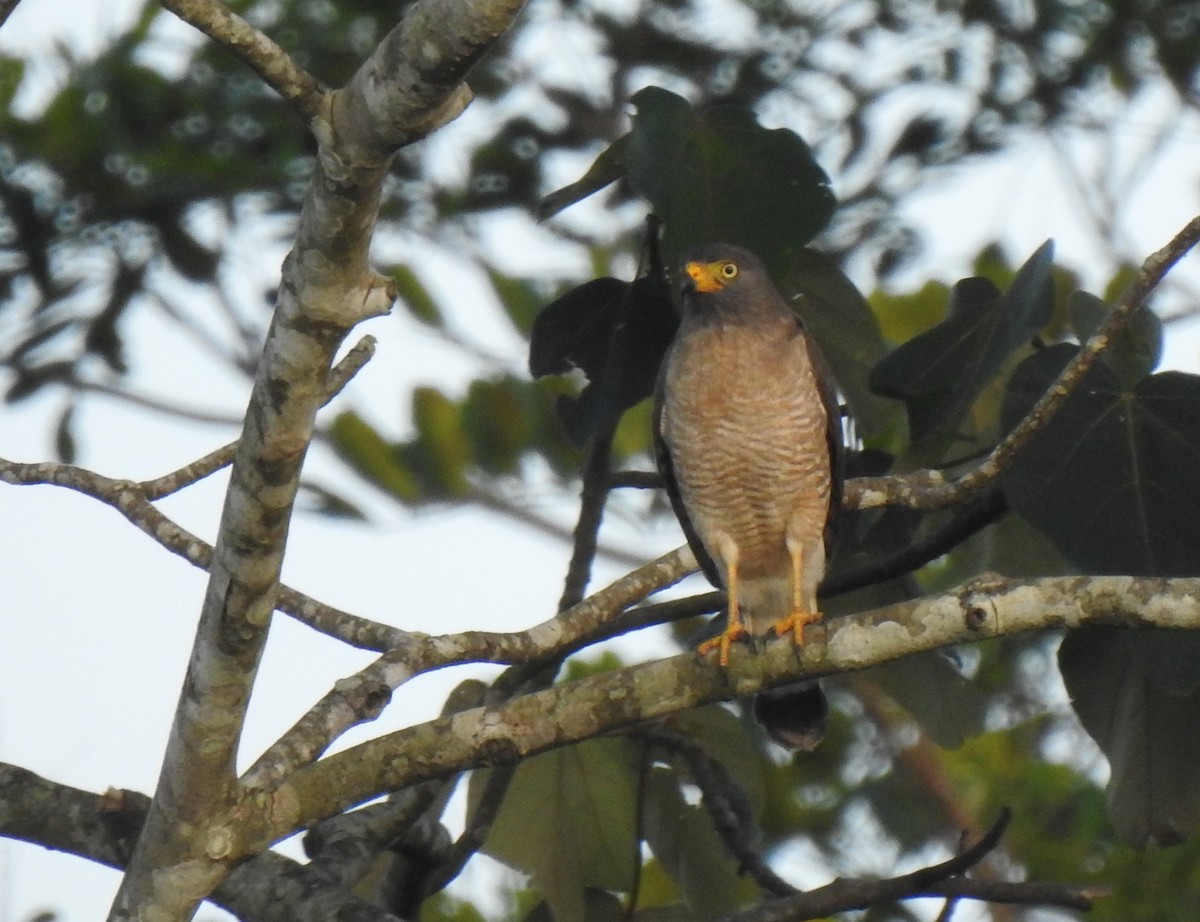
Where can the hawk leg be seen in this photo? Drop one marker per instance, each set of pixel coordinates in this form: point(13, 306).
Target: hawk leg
point(803, 610)
point(734, 628)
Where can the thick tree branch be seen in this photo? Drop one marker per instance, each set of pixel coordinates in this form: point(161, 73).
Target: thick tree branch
point(275, 66)
point(361, 697)
point(104, 827)
point(931, 490)
point(410, 84)
point(578, 710)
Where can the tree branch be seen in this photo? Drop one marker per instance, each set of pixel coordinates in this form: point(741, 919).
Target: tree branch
point(720, 795)
point(931, 490)
point(274, 65)
point(362, 696)
point(104, 827)
point(409, 85)
point(578, 710)
point(937, 880)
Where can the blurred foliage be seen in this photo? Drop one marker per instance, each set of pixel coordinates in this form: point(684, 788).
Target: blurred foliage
point(127, 187)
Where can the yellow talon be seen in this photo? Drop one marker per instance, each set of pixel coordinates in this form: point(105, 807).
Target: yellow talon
point(723, 642)
point(796, 622)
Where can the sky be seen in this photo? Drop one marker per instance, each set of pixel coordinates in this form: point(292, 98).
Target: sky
point(77, 711)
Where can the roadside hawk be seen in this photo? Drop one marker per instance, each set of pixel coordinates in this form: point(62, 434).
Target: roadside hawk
point(748, 440)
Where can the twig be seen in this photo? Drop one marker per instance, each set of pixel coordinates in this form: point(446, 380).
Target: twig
point(943, 879)
point(276, 67)
point(931, 490)
point(191, 414)
point(484, 497)
point(6, 8)
point(339, 377)
point(721, 793)
point(976, 514)
point(361, 696)
point(593, 495)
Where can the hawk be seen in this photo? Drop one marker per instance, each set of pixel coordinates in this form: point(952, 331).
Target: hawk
point(748, 440)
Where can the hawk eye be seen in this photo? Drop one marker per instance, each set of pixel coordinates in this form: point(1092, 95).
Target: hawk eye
point(729, 270)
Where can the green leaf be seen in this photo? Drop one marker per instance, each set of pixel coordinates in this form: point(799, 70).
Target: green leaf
point(901, 317)
point(497, 418)
point(598, 906)
point(12, 72)
point(416, 296)
point(441, 448)
point(616, 333)
point(444, 908)
point(64, 436)
point(720, 175)
point(364, 449)
point(323, 501)
point(521, 300)
point(948, 706)
point(1116, 681)
point(568, 821)
point(1114, 479)
point(607, 168)
point(940, 373)
point(684, 841)
point(1137, 347)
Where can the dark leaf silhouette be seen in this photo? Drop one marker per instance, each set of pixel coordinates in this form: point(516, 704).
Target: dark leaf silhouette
point(939, 373)
point(1114, 482)
point(615, 333)
point(720, 175)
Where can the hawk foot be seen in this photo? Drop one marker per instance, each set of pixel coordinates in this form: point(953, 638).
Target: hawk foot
point(795, 623)
point(722, 642)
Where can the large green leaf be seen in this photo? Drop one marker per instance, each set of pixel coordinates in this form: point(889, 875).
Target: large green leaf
point(727, 739)
point(568, 821)
point(616, 333)
point(939, 373)
point(684, 840)
point(1114, 482)
point(1116, 680)
point(720, 175)
point(1137, 346)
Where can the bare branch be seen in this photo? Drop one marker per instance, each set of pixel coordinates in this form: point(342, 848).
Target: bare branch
point(104, 827)
point(129, 499)
point(721, 793)
point(578, 710)
point(938, 880)
point(361, 697)
point(931, 490)
point(411, 83)
point(257, 51)
point(492, 501)
point(339, 377)
point(6, 8)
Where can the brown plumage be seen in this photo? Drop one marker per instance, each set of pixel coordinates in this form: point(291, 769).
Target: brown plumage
point(748, 441)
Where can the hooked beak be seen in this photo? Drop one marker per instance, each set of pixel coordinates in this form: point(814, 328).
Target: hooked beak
point(703, 277)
